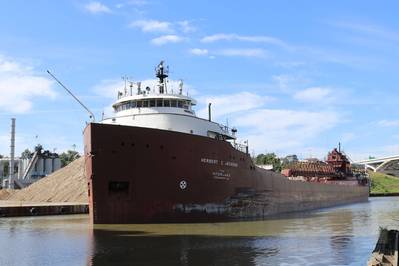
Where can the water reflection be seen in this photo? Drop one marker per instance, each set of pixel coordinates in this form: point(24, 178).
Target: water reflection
point(123, 248)
point(336, 236)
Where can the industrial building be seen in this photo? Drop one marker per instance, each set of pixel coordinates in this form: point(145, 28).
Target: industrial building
point(30, 168)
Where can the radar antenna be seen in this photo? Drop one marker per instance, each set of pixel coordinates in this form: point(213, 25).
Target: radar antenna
point(91, 115)
point(125, 79)
point(161, 73)
point(180, 86)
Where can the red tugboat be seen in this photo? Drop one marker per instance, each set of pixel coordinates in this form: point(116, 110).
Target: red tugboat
point(156, 161)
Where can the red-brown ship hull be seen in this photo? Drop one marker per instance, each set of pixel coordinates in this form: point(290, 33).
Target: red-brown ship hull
point(143, 175)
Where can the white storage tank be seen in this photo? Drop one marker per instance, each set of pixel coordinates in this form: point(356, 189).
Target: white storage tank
point(39, 166)
point(56, 164)
point(48, 166)
point(23, 165)
point(1, 168)
point(20, 169)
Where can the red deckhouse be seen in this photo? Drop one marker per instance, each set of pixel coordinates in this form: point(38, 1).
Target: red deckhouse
point(154, 160)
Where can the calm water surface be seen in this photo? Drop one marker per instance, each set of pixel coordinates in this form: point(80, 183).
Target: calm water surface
point(335, 236)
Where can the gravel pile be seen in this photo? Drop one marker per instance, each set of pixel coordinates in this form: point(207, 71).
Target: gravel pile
point(65, 185)
point(5, 193)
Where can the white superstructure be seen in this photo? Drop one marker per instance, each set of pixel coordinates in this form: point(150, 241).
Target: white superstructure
point(162, 109)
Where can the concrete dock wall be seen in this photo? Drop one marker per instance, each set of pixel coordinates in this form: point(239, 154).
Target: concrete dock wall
point(14, 210)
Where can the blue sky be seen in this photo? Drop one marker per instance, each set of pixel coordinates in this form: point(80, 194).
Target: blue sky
point(293, 77)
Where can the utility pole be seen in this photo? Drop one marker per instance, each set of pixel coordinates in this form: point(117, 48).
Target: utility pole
point(12, 154)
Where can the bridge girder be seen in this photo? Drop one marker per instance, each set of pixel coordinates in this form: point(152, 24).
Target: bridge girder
point(379, 164)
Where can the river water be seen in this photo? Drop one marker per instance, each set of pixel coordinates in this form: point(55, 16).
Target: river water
point(335, 236)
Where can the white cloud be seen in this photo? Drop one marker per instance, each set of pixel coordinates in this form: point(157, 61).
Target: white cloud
point(373, 30)
point(254, 52)
point(186, 26)
point(348, 136)
point(270, 119)
point(243, 52)
point(165, 39)
point(388, 123)
point(137, 2)
point(391, 149)
point(198, 51)
point(167, 27)
point(152, 26)
point(244, 38)
point(274, 130)
point(109, 87)
point(228, 104)
point(49, 139)
point(19, 85)
point(95, 7)
point(380, 151)
point(283, 82)
point(315, 94)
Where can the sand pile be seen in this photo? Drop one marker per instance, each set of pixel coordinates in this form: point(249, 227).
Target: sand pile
point(6, 193)
point(65, 185)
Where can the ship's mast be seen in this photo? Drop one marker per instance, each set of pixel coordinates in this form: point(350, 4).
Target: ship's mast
point(162, 73)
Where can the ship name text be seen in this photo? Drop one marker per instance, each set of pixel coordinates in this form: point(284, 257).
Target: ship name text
point(219, 162)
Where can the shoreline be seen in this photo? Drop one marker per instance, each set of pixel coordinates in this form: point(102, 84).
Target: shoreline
point(387, 194)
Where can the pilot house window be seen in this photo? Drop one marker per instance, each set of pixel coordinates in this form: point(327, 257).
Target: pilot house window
point(153, 103)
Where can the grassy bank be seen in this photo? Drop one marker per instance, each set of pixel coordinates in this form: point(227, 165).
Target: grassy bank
point(381, 183)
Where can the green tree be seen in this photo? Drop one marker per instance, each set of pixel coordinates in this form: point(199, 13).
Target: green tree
point(26, 154)
point(39, 148)
point(6, 168)
point(269, 158)
point(68, 157)
point(288, 160)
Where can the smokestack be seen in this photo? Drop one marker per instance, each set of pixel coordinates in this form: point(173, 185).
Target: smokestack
point(12, 153)
point(209, 112)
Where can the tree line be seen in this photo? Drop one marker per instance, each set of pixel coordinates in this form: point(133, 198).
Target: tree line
point(272, 159)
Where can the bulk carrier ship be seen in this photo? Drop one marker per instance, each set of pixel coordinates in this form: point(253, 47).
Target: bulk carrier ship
point(155, 161)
